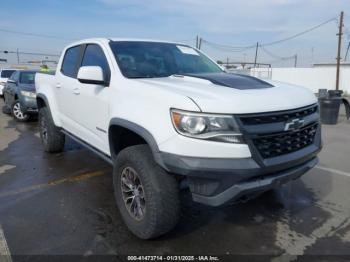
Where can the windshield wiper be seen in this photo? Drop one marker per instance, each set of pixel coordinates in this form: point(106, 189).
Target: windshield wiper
point(160, 76)
point(177, 75)
point(141, 76)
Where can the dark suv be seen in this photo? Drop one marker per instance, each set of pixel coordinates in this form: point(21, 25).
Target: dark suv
point(20, 95)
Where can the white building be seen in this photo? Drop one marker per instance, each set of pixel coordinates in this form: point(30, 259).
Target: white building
point(320, 76)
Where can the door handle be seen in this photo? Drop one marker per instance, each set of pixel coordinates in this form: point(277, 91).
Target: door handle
point(58, 85)
point(76, 91)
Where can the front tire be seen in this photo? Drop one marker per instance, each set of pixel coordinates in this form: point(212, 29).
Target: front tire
point(18, 113)
point(147, 196)
point(51, 136)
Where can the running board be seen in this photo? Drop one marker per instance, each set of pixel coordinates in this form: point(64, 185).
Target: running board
point(88, 146)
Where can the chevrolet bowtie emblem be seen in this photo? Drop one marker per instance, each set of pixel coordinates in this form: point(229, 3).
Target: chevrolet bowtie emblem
point(294, 124)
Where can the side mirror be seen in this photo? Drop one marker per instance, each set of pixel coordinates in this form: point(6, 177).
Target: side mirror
point(91, 75)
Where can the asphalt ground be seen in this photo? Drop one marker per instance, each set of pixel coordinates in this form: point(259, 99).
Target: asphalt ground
point(63, 204)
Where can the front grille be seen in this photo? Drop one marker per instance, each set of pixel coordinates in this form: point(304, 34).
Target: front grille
point(278, 117)
point(277, 144)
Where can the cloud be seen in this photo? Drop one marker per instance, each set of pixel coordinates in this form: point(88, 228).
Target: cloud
point(241, 23)
point(231, 22)
point(234, 16)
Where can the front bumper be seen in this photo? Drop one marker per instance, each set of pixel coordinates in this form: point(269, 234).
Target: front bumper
point(28, 105)
point(218, 173)
point(215, 182)
point(255, 185)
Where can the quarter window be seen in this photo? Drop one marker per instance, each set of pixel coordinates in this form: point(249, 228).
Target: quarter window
point(94, 56)
point(70, 61)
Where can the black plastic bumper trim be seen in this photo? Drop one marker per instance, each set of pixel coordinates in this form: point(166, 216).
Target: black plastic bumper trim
point(260, 184)
point(239, 168)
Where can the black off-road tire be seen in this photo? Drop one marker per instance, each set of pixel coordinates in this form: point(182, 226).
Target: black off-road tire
point(160, 191)
point(51, 136)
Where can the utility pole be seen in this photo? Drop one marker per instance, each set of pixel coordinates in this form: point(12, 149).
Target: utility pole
point(347, 51)
point(256, 53)
point(197, 41)
point(340, 33)
point(227, 62)
point(17, 56)
point(295, 60)
point(200, 43)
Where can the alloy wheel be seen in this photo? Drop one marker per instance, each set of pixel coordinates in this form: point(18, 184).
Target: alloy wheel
point(133, 193)
point(18, 112)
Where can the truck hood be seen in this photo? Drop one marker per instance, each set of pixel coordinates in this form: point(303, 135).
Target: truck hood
point(234, 94)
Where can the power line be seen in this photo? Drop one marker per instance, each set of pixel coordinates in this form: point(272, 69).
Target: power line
point(35, 34)
point(347, 32)
point(27, 53)
point(243, 48)
point(227, 47)
point(299, 34)
point(347, 51)
point(276, 56)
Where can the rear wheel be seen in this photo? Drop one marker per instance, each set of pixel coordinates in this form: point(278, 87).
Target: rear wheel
point(147, 196)
point(51, 136)
point(18, 113)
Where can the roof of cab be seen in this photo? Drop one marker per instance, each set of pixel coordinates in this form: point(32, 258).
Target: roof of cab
point(106, 40)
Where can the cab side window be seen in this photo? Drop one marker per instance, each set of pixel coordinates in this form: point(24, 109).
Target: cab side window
point(70, 62)
point(94, 56)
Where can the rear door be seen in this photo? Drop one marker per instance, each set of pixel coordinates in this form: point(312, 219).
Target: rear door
point(65, 86)
point(93, 101)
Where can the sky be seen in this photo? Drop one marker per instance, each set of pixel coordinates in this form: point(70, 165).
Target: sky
point(226, 22)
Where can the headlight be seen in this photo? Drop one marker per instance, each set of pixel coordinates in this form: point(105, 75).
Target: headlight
point(220, 128)
point(28, 94)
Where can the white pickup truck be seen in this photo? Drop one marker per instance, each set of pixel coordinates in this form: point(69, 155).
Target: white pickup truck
point(167, 116)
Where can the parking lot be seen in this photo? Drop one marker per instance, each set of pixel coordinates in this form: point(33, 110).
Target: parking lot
point(64, 204)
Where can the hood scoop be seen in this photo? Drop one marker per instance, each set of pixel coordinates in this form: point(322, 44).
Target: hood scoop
point(242, 82)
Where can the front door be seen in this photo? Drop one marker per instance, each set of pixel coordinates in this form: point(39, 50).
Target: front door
point(92, 108)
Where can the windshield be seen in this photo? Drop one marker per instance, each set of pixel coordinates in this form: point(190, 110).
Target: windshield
point(27, 78)
point(6, 73)
point(152, 59)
